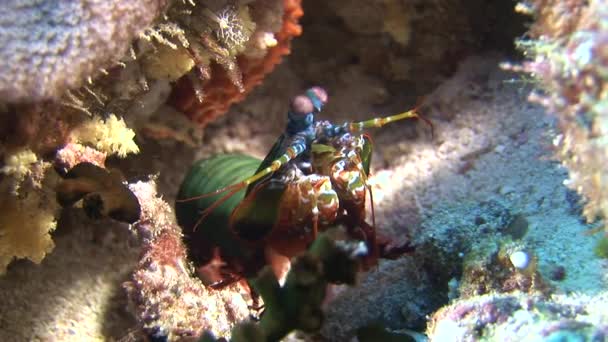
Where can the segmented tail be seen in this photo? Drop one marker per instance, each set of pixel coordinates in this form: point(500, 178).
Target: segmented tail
point(290, 153)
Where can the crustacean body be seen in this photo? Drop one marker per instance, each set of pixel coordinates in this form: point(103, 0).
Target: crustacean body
point(313, 178)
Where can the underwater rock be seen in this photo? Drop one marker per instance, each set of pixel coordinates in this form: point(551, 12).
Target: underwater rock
point(568, 56)
point(168, 300)
point(48, 47)
point(454, 231)
point(102, 193)
point(518, 316)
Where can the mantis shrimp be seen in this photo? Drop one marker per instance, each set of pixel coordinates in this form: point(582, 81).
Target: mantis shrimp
point(314, 177)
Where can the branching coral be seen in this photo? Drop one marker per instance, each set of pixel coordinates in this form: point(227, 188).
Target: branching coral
point(568, 55)
point(48, 47)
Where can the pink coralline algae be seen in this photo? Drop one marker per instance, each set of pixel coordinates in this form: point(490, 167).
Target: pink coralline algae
point(169, 302)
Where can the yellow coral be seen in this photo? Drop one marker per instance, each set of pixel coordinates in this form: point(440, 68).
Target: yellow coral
point(18, 164)
point(168, 63)
point(24, 228)
point(111, 136)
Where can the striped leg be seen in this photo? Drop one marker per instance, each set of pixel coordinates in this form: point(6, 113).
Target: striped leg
point(354, 127)
point(331, 131)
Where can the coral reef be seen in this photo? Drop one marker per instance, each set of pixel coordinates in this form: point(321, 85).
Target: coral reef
point(567, 55)
point(519, 316)
point(50, 47)
point(492, 223)
point(76, 125)
point(107, 136)
point(222, 91)
point(198, 42)
point(168, 301)
point(30, 184)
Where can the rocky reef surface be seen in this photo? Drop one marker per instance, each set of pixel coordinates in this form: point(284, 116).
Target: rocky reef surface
point(495, 199)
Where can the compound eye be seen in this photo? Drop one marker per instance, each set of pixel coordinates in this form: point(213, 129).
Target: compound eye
point(301, 105)
point(320, 93)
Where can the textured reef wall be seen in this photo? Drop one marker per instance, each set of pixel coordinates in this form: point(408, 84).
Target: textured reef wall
point(568, 57)
point(71, 69)
point(103, 105)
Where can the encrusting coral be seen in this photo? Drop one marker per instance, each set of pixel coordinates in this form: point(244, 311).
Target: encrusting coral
point(519, 316)
point(30, 183)
point(168, 301)
point(568, 55)
point(25, 226)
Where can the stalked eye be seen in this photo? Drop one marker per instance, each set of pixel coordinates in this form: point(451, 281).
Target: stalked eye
point(320, 93)
point(318, 96)
point(301, 105)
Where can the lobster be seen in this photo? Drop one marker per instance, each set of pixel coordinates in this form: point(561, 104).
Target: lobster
point(238, 213)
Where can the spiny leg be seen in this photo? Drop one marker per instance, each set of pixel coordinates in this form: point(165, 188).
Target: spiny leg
point(379, 122)
point(331, 131)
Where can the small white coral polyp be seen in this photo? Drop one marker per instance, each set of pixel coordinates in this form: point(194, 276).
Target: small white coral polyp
point(230, 29)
